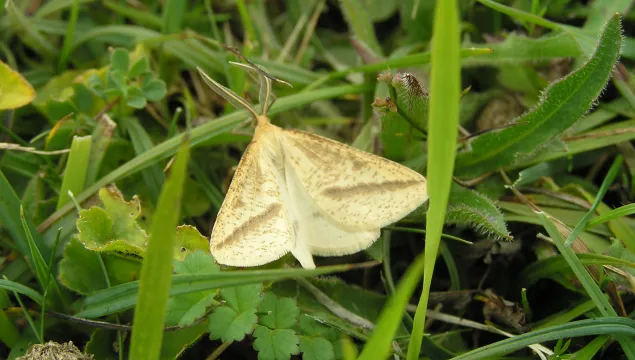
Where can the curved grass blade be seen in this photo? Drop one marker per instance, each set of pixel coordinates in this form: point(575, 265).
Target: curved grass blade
point(611, 325)
point(22, 289)
point(122, 297)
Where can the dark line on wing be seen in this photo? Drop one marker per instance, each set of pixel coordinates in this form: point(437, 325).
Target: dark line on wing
point(253, 223)
point(342, 192)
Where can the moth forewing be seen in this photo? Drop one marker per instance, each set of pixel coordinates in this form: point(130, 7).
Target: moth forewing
point(253, 226)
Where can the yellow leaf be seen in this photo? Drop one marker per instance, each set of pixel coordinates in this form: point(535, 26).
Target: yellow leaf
point(15, 91)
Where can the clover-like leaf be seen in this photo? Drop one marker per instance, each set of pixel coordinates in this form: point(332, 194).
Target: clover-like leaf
point(15, 91)
point(282, 312)
point(153, 89)
point(184, 309)
point(188, 240)
point(120, 60)
point(277, 344)
point(138, 68)
point(228, 325)
point(116, 80)
point(231, 322)
point(316, 348)
point(135, 98)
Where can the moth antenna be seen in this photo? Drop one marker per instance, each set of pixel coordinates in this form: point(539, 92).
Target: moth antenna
point(227, 94)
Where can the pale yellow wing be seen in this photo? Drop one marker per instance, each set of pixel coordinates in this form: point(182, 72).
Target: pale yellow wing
point(356, 189)
point(253, 225)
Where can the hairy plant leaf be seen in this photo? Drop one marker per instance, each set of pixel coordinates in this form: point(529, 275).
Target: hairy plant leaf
point(563, 103)
point(471, 208)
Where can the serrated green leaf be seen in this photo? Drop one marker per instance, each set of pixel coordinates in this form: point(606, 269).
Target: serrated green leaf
point(154, 90)
point(228, 325)
point(275, 344)
point(135, 98)
point(120, 60)
point(316, 348)
point(563, 103)
point(470, 208)
point(113, 228)
point(235, 319)
point(283, 312)
point(15, 91)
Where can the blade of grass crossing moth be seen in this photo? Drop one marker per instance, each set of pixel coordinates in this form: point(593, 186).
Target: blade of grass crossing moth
point(156, 270)
point(444, 114)
point(608, 180)
point(587, 282)
point(445, 89)
point(76, 169)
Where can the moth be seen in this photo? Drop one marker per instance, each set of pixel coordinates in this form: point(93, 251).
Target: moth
point(298, 192)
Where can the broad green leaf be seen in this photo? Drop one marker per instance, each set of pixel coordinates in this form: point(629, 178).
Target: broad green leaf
point(467, 207)
point(154, 89)
point(15, 91)
point(188, 240)
point(277, 344)
point(156, 269)
point(233, 321)
point(563, 103)
point(80, 271)
point(282, 313)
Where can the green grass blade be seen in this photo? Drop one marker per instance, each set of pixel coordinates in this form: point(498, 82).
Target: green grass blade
point(359, 23)
point(563, 103)
point(76, 169)
point(445, 89)
point(173, 12)
point(102, 137)
point(608, 180)
point(199, 135)
point(22, 289)
point(612, 326)
point(153, 176)
point(122, 297)
point(11, 221)
point(68, 38)
point(581, 273)
point(611, 215)
point(156, 270)
point(43, 273)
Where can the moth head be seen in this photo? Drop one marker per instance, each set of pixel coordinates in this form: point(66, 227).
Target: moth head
point(265, 96)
